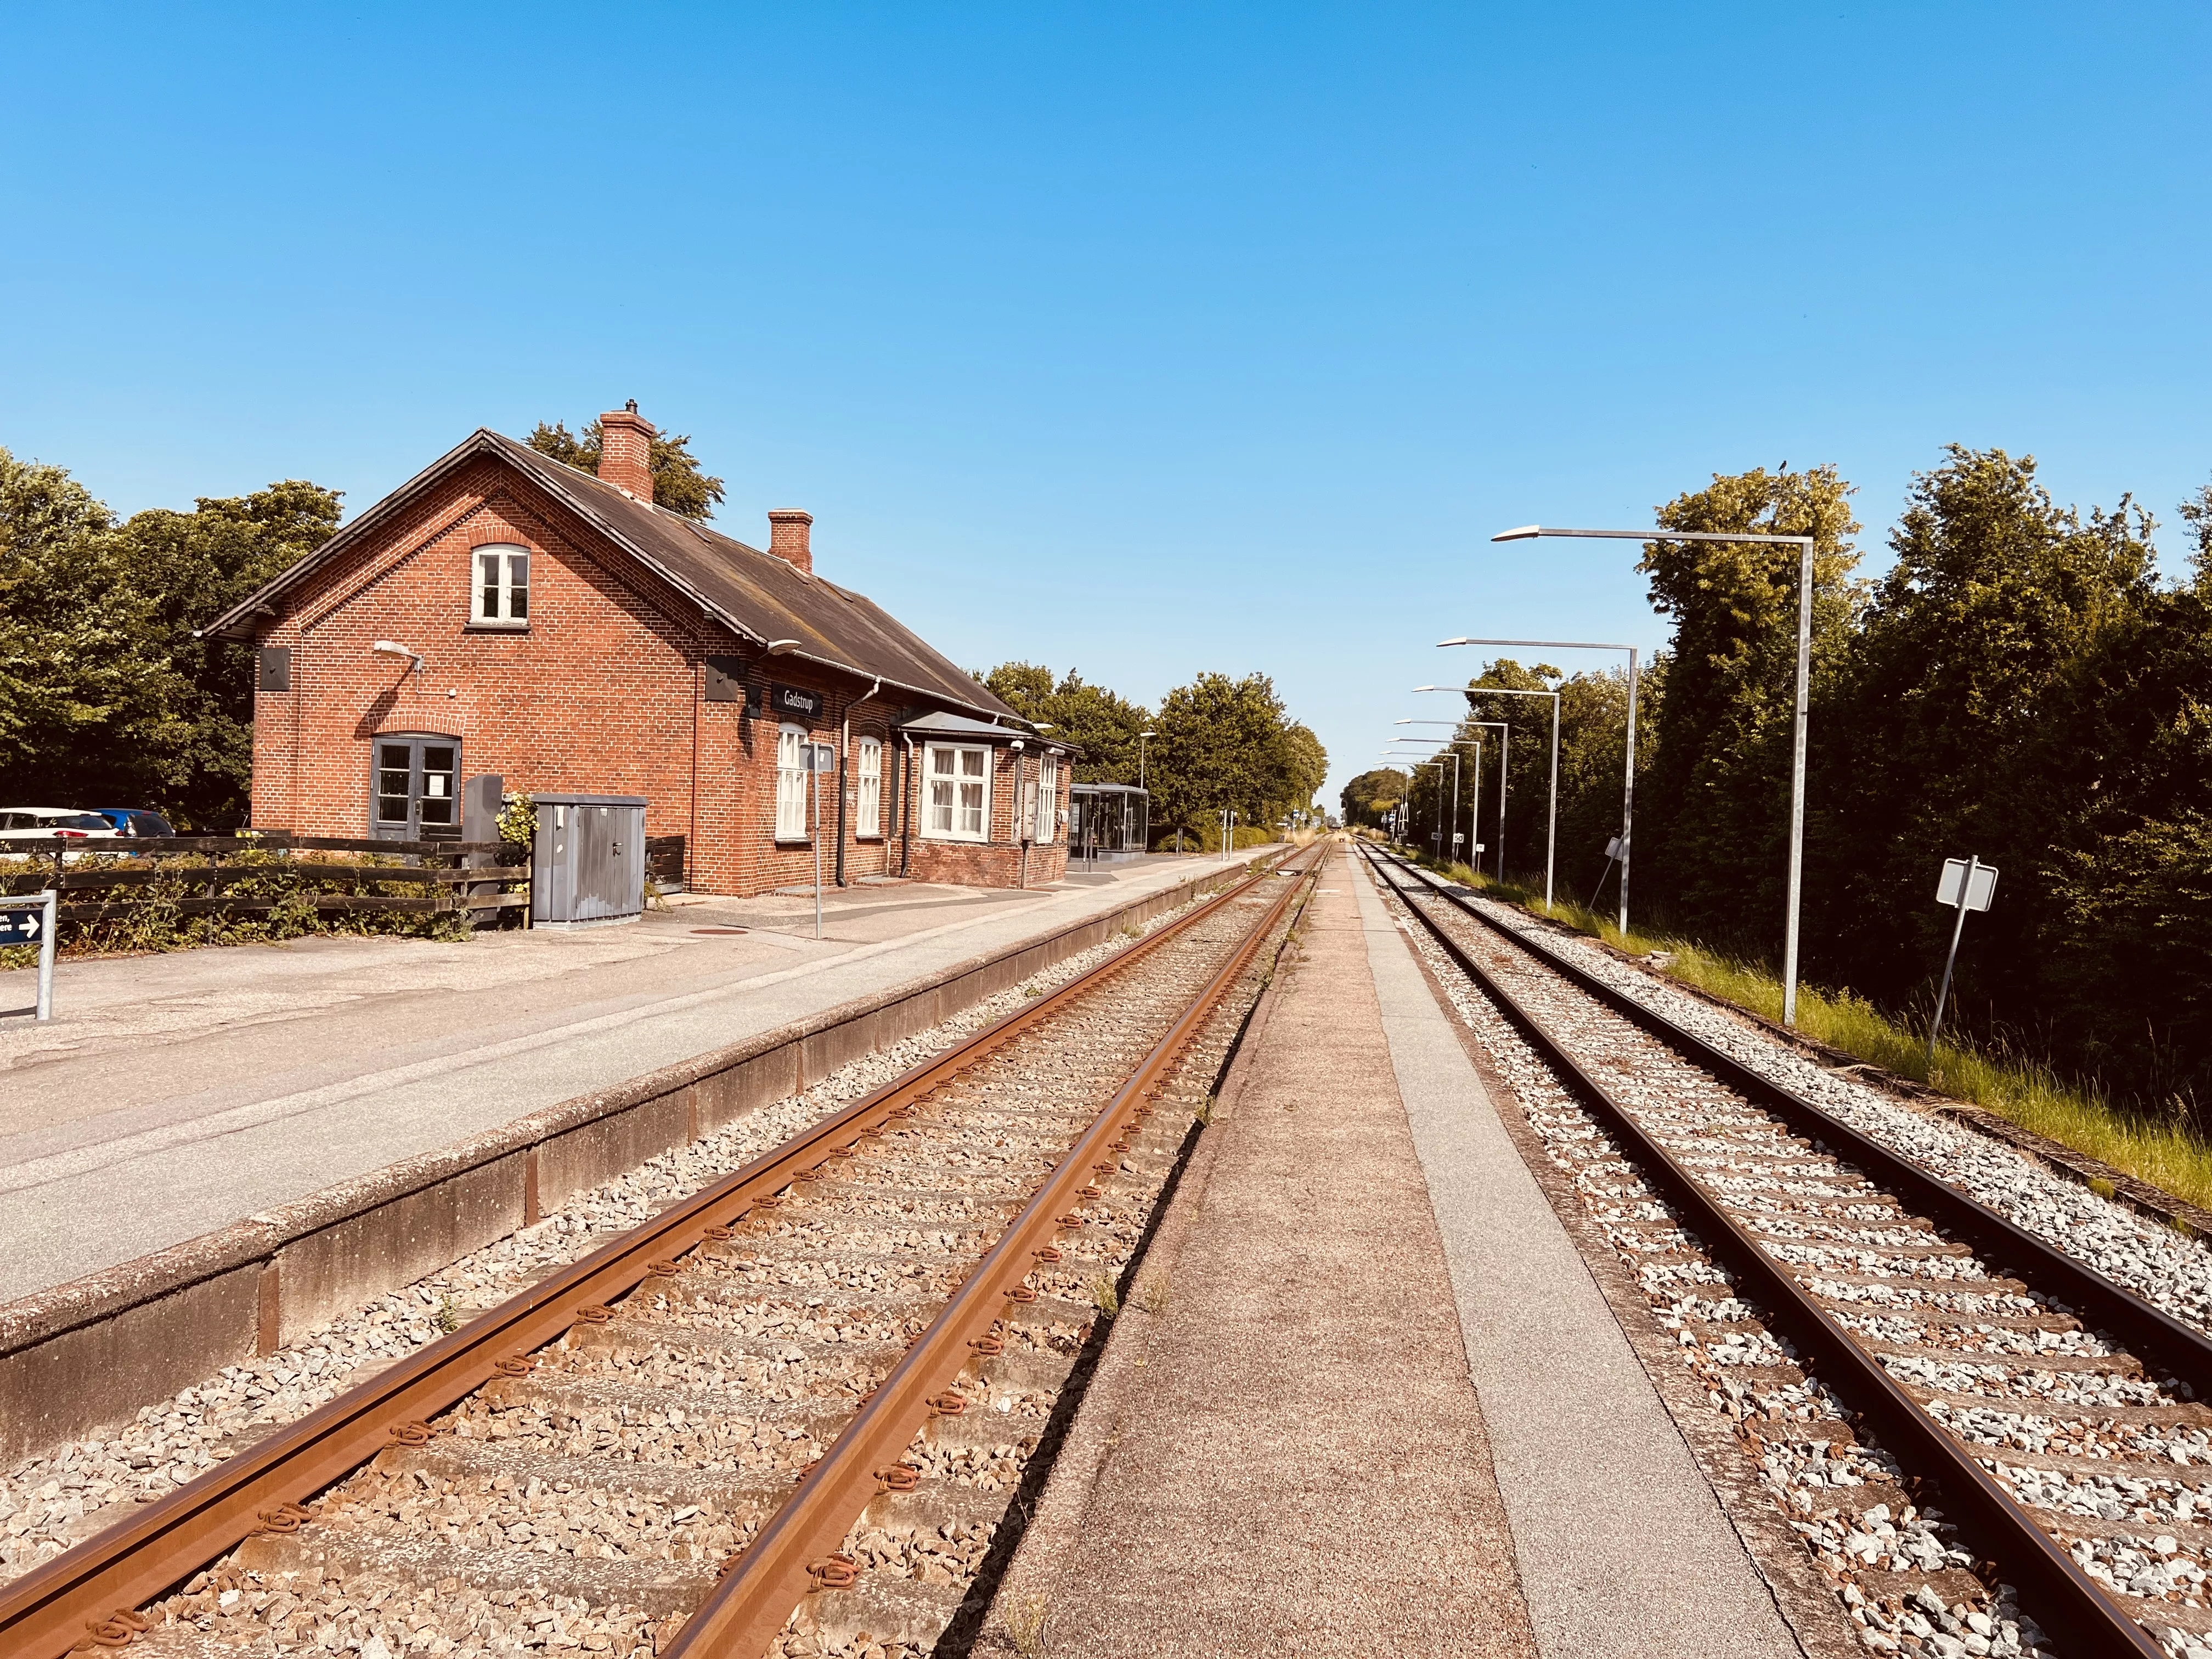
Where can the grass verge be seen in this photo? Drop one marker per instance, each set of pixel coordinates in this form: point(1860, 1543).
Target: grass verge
point(2165, 1154)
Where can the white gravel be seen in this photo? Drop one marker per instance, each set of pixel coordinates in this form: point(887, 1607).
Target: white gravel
point(2172, 1273)
point(1811, 1480)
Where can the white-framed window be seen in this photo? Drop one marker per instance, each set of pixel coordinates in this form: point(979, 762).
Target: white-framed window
point(1048, 800)
point(499, 586)
point(955, 791)
point(868, 807)
point(791, 783)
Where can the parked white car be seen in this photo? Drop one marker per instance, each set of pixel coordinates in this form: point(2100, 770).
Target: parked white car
point(22, 823)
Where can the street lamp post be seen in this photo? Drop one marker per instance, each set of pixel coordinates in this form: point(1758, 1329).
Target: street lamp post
point(1141, 736)
point(1551, 823)
point(1628, 772)
point(1504, 757)
point(1804, 545)
point(1438, 761)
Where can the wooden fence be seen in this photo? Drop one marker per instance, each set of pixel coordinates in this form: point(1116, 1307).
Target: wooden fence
point(462, 876)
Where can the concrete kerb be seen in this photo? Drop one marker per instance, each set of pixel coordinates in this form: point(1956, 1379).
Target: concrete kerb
point(90, 1354)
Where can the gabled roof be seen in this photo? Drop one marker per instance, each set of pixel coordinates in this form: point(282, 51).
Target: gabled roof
point(757, 596)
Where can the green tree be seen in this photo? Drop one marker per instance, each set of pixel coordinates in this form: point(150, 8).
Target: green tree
point(1970, 657)
point(1102, 725)
point(106, 698)
point(1218, 748)
point(1713, 820)
point(679, 483)
point(1367, 798)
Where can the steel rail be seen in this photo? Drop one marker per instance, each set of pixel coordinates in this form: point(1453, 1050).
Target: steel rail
point(94, 1588)
point(749, 1608)
point(2065, 1601)
point(2150, 1333)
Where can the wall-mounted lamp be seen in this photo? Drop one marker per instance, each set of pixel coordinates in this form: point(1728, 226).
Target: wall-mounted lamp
point(394, 648)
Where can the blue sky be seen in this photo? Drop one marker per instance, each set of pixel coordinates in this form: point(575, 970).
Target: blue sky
point(1145, 340)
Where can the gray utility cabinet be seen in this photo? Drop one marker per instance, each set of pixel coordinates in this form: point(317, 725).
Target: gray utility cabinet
point(588, 862)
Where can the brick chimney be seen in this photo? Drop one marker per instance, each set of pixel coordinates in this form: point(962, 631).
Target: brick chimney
point(626, 450)
point(786, 532)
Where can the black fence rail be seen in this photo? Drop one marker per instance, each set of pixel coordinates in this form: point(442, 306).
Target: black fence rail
point(474, 877)
point(664, 860)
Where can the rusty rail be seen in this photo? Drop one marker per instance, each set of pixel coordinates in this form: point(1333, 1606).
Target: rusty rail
point(87, 1595)
point(749, 1608)
point(2065, 1599)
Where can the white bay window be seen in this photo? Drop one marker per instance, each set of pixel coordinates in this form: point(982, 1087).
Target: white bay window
point(955, 791)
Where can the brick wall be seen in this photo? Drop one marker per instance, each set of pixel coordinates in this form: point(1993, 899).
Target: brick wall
point(603, 693)
point(998, 862)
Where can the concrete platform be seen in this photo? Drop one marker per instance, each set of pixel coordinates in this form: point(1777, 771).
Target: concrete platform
point(1366, 1398)
point(174, 1094)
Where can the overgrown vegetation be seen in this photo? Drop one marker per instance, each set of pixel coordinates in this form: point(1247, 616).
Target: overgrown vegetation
point(106, 698)
point(2166, 1149)
point(150, 917)
point(2021, 685)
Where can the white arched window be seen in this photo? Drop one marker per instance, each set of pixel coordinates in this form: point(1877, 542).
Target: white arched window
point(791, 783)
point(868, 808)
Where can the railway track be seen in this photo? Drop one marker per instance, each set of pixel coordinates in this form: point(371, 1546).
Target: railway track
point(1953, 1412)
point(788, 1415)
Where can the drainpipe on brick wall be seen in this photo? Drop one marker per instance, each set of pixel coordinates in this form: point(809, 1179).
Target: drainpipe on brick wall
point(844, 748)
point(907, 810)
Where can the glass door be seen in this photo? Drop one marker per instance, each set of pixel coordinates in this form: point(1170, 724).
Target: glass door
point(417, 788)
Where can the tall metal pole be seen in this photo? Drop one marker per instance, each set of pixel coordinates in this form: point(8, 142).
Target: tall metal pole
point(1504, 771)
point(1797, 797)
point(1628, 794)
point(1454, 811)
point(1552, 829)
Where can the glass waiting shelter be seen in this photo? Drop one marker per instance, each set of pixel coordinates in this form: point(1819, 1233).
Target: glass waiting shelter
point(1108, 822)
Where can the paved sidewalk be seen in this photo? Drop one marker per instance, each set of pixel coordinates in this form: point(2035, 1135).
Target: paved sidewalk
point(175, 1094)
point(1290, 1458)
point(1384, 1410)
point(1623, 1549)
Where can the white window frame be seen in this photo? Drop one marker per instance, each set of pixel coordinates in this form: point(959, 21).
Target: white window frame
point(868, 791)
point(501, 602)
point(791, 780)
point(954, 809)
point(1048, 797)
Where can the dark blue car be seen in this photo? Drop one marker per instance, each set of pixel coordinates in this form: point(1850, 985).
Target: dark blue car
point(135, 821)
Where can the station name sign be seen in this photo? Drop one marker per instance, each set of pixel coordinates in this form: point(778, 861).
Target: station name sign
point(794, 700)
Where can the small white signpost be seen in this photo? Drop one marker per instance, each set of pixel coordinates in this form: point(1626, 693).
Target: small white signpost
point(1965, 884)
point(30, 920)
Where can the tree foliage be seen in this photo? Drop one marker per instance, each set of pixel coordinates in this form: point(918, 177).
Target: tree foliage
point(1368, 796)
point(679, 483)
point(1100, 723)
point(106, 698)
point(1219, 742)
point(2018, 685)
point(1227, 745)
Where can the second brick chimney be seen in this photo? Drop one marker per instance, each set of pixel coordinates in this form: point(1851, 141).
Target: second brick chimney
point(626, 451)
point(788, 529)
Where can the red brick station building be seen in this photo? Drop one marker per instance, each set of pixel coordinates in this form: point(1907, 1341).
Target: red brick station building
point(501, 612)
